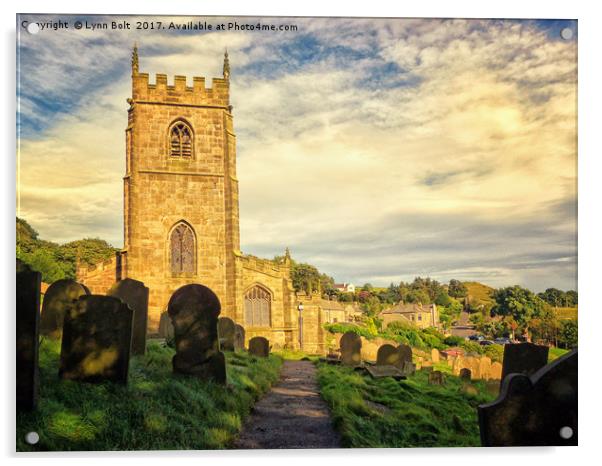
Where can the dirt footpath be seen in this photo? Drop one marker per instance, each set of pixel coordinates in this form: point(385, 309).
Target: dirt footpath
point(291, 415)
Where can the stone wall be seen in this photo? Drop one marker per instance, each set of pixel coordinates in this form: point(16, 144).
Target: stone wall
point(100, 278)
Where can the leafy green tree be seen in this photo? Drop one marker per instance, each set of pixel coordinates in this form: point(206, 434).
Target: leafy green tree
point(520, 304)
point(443, 299)
point(457, 289)
point(553, 296)
point(571, 297)
point(567, 335)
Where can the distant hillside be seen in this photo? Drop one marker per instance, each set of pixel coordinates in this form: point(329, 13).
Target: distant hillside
point(479, 296)
point(565, 313)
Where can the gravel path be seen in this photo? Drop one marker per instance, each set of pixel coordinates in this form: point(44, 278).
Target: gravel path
point(291, 415)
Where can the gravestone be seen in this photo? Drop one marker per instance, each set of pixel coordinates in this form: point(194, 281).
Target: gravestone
point(59, 298)
point(165, 326)
point(459, 364)
point(388, 355)
point(496, 371)
point(435, 357)
point(409, 368)
point(534, 410)
point(351, 348)
point(97, 338)
point(226, 330)
point(381, 371)
point(135, 295)
point(523, 358)
point(194, 310)
point(485, 368)
point(450, 360)
point(465, 373)
point(259, 346)
point(436, 378)
point(28, 320)
point(239, 337)
point(473, 363)
point(405, 354)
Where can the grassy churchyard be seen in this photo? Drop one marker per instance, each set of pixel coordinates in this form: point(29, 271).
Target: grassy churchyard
point(157, 410)
point(382, 412)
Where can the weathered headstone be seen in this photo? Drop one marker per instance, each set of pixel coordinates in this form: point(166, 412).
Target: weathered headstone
point(409, 368)
point(485, 367)
point(459, 364)
point(523, 358)
point(405, 355)
point(97, 338)
point(496, 371)
point(351, 347)
point(194, 310)
point(59, 298)
point(435, 357)
point(28, 321)
point(165, 326)
point(436, 378)
point(381, 371)
point(465, 373)
point(536, 410)
point(226, 330)
point(239, 337)
point(259, 346)
point(388, 355)
point(473, 363)
point(135, 295)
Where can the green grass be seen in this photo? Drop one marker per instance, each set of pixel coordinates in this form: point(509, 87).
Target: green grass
point(555, 353)
point(409, 413)
point(157, 410)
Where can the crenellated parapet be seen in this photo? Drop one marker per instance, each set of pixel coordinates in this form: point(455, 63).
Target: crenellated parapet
point(218, 95)
point(267, 266)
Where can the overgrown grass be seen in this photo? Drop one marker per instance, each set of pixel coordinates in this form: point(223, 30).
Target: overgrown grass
point(555, 353)
point(410, 413)
point(157, 410)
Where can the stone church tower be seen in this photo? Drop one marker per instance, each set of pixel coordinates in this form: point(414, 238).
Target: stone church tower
point(181, 217)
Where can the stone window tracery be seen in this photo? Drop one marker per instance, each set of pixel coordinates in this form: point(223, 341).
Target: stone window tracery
point(182, 250)
point(258, 306)
point(180, 140)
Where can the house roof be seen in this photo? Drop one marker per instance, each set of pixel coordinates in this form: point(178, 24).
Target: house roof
point(406, 308)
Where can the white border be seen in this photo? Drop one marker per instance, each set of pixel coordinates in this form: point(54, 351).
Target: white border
point(590, 129)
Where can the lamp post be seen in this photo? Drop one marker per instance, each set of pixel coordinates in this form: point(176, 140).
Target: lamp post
point(300, 308)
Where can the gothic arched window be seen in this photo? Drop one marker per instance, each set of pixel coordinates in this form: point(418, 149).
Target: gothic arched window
point(258, 306)
point(180, 140)
point(182, 250)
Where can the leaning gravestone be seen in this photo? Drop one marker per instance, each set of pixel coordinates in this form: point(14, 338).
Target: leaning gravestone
point(351, 349)
point(536, 410)
point(135, 295)
point(28, 320)
point(436, 378)
point(523, 358)
point(259, 346)
point(97, 338)
point(59, 298)
point(194, 310)
point(226, 330)
point(239, 337)
point(388, 355)
point(165, 326)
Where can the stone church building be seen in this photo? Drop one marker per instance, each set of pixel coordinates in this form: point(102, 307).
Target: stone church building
point(181, 214)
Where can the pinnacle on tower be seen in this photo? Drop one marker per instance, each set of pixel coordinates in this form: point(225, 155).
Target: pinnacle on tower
point(226, 66)
point(135, 59)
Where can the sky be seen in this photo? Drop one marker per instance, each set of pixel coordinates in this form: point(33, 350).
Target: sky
point(377, 150)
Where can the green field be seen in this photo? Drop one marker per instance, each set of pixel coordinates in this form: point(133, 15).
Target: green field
point(372, 413)
point(156, 410)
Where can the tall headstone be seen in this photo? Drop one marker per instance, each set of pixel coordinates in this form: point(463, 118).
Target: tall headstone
point(135, 295)
point(388, 355)
point(97, 338)
point(28, 320)
point(523, 358)
point(239, 337)
point(485, 367)
point(351, 349)
point(226, 329)
point(405, 354)
point(165, 326)
point(496, 371)
point(59, 298)
point(536, 410)
point(435, 357)
point(259, 346)
point(194, 310)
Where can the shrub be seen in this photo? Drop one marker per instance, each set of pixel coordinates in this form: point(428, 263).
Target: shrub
point(343, 328)
point(453, 340)
point(495, 352)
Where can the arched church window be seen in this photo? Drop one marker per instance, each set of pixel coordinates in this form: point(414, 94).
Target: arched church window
point(182, 249)
point(180, 140)
point(258, 306)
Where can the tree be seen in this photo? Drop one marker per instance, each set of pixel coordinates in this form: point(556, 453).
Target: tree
point(443, 299)
point(520, 304)
point(553, 296)
point(567, 336)
point(457, 289)
point(571, 298)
